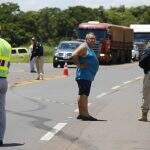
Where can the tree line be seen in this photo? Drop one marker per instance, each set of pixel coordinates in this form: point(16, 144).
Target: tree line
point(54, 24)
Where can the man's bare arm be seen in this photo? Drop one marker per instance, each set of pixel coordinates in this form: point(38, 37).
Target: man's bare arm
point(79, 52)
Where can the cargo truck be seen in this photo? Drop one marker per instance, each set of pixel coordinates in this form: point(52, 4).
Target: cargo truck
point(113, 43)
point(141, 32)
point(141, 36)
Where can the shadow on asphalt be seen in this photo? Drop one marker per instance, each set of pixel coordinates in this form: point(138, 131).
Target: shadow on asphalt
point(12, 144)
point(94, 120)
point(101, 120)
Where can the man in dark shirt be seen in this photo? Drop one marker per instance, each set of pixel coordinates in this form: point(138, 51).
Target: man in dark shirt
point(145, 64)
point(38, 53)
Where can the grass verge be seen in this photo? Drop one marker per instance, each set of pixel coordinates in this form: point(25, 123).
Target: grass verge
point(48, 56)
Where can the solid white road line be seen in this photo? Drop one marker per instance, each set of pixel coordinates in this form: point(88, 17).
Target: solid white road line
point(115, 87)
point(56, 129)
point(101, 95)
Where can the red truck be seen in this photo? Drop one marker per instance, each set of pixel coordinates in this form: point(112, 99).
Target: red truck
point(113, 43)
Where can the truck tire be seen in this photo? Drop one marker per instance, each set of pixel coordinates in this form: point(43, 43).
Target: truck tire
point(129, 57)
point(123, 55)
point(114, 57)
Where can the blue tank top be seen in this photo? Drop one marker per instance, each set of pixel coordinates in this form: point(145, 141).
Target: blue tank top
point(93, 65)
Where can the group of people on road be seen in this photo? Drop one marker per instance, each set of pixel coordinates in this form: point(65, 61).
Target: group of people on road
point(87, 67)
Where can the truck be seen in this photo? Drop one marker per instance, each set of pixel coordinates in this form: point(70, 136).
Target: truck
point(141, 32)
point(113, 43)
point(141, 36)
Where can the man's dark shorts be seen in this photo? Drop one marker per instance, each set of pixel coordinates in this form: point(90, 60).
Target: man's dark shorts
point(84, 87)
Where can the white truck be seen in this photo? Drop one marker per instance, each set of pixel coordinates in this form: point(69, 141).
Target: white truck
point(141, 36)
point(141, 32)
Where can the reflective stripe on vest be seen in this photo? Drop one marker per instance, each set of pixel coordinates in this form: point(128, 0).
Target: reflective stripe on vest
point(5, 52)
point(4, 71)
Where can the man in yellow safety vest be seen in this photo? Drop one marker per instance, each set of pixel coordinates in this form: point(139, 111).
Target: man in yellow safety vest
point(5, 53)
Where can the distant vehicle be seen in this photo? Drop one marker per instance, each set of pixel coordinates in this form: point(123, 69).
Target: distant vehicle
point(63, 52)
point(141, 46)
point(20, 51)
point(141, 32)
point(113, 43)
point(135, 53)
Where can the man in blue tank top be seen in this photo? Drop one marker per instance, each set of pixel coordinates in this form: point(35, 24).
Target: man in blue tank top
point(87, 67)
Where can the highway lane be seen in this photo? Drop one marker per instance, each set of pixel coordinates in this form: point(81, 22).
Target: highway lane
point(121, 131)
point(36, 110)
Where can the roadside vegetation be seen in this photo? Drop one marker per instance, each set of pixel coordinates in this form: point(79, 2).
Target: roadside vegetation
point(54, 24)
point(48, 56)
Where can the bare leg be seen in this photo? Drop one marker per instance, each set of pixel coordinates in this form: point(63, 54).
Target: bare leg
point(83, 105)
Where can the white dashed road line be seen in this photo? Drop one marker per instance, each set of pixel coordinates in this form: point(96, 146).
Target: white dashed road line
point(56, 129)
point(138, 78)
point(115, 87)
point(127, 82)
point(69, 117)
point(118, 86)
point(59, 126)
point(101, 95)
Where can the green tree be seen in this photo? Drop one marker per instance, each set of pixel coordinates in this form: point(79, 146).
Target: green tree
point(120, 16)
point(100, 14)
point(146, 17)
point(8, 12)
point(47, 23)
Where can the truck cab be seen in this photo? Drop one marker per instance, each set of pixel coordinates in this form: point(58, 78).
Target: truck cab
point(100, 31)
point(113, 43)
point(141, 32)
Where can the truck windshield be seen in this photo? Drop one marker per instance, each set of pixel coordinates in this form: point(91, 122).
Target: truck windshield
point(141, 37)
point(99, 33)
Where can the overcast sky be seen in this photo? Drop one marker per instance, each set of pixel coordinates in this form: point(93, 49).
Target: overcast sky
point(26, 5)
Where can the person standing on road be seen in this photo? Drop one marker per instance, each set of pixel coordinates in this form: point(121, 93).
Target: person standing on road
point(39, 58)
point(145, 64)
point(87, 67)
point(32, 56)
point(5, 53)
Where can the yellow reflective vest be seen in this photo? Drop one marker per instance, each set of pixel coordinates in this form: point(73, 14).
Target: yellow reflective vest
point(5, 53)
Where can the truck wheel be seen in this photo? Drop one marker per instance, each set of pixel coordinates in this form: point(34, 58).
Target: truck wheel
point(128, 59)
point(122, 57)
point(113, 58)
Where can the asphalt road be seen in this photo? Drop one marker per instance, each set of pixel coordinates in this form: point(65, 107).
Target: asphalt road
point(42, 115)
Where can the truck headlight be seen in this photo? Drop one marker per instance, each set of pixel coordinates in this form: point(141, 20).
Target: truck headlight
point(102, 55)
